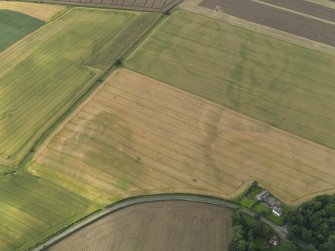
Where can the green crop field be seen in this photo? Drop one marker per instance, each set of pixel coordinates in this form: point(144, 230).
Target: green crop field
point(43, 75)
point(14, 26)
point(282, 84)
point(32, 209)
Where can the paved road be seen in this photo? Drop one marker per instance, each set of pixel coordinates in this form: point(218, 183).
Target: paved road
point(281, 230)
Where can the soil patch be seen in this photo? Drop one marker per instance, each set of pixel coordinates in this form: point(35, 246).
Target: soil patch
point(170, 225)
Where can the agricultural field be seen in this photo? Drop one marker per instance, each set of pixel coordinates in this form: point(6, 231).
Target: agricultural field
point(152, 226)
point(43, 12)
point(14, 26)
point(143, 5)
point(306, 7)
point(137, 136)
point(95, 108)
point(32, 209)
point(281, 84)
point(280, 19)
point(65, 58)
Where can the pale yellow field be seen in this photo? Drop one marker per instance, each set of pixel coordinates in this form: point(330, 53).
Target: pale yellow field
point(136, 135)
point(43, 12)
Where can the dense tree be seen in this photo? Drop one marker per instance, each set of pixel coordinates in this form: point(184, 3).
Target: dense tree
point(306, 235)
point(314, 223)
point(311, 247)
point(288, 245)
point(329, 245)
point(237, 239)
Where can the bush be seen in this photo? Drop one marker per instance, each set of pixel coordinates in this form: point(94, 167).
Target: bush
point(118, 62)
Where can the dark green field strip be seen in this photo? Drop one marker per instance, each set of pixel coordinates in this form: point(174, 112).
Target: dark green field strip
point(14, 26)
point(52, 70)
point(284, 85)
point(125, 39)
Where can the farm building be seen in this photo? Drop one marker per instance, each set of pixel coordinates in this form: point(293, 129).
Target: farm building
point(262, 195)
point(271, 202)
point(277, 211)
point(275, 240)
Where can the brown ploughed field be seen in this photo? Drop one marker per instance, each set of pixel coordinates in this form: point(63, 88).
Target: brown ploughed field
point(306, 7)
point(170, 225)
point(276, 18)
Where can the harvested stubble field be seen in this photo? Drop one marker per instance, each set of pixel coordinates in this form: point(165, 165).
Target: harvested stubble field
point(44, 12)
point(14, 26)
point(32, 209)
point(44, 74)
point(173, 225)
point(139, 136)
point(284, 85)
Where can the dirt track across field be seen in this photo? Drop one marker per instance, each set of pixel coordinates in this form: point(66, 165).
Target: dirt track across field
point(276, 18)
point(169, 225)
point(306, 7)
point(140, 5)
